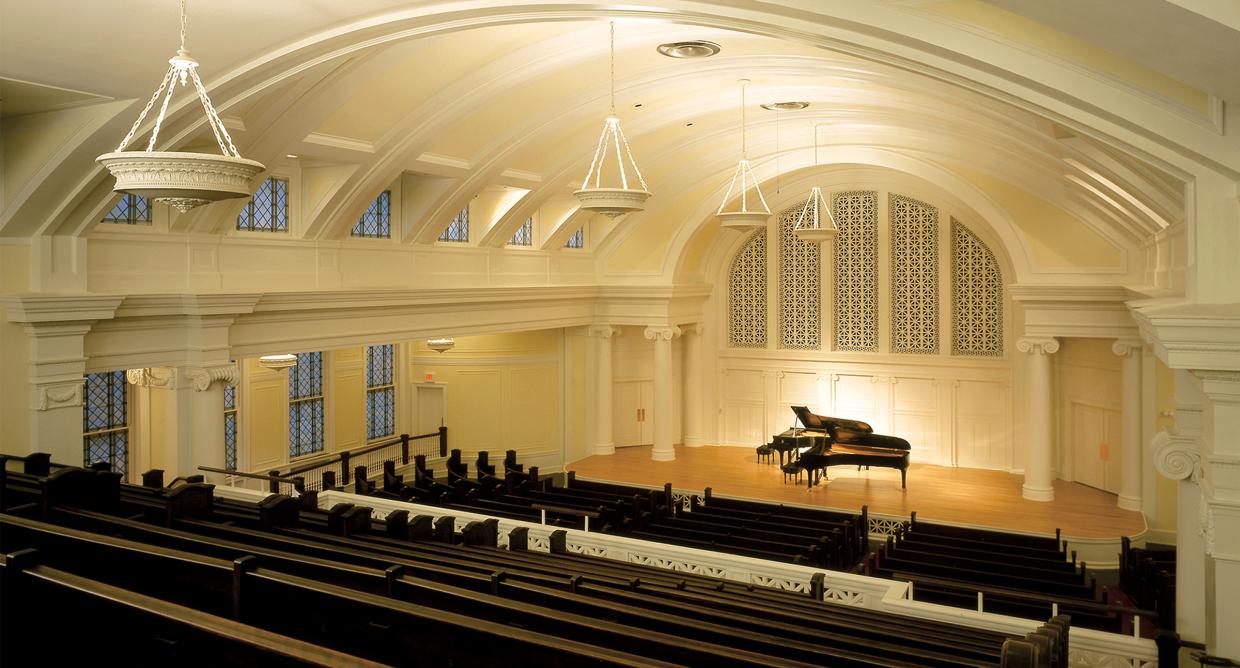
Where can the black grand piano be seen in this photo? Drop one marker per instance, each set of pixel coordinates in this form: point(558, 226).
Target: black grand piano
point(827, 441)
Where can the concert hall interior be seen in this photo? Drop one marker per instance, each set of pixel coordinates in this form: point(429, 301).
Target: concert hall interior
point(911, 320)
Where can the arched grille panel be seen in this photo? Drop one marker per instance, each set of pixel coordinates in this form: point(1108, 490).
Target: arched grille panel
point(977, 296)
point(799, 312)
point(914, 275)
point(747, 295)
point(856, 271)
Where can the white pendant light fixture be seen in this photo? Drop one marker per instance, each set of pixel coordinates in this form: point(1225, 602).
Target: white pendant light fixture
point(746, 213)
point(182, 180)
point(278, 362)
point(815, 224)
point(441, 344)
point(610, 200)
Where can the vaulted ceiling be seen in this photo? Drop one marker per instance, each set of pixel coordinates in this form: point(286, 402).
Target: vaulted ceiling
point(455, 98)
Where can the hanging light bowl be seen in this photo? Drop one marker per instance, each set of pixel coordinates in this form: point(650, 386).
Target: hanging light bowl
point(746, 213)
point(617, 198)
point(815, 224)
point(278, 362)
point(441, 344)
point(182, 180)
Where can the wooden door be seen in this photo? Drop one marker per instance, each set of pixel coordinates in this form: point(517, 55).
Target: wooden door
point(626, 408)
point(1096, 434)
point(430, 407)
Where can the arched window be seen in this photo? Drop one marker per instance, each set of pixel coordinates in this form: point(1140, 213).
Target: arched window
point(380, 391)
point(376, 222)
point(130, 210)
point(856, 271)
point(524, 236)
point(747, 295)
point(977, 296)
point(800, 316)
point(267, 210)
point(914, 275)
point(458, 229)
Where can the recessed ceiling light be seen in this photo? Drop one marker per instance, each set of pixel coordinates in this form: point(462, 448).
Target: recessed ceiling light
point(693, 49)
point(291, 155)
point(637, 105)
point(785, 106)
point(688, 125)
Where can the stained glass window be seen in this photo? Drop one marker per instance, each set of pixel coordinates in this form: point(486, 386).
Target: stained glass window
point(380, 391)
point(267, 210)
point(130, 210)
point(458, 229)
point(105, 426)
point(305, 405)
point(524, 235)
point(230, 427)
point(578, 240)
point(376, 223)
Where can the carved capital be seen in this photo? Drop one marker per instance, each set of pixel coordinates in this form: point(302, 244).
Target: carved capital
point(662, 333)
point(695, 329)
point(59, 395)
point(1176, 456)
point(1038, 345)
point(202, 377)
point(1126, 347)
point(158, 377)
point(604, 331)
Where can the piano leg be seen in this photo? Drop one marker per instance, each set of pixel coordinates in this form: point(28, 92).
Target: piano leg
point(903, 478)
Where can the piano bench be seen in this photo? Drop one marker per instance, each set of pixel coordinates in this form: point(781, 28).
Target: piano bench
point(766, 452)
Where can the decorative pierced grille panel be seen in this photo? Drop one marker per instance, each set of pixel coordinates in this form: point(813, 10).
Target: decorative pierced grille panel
point(230, 427)
point(130, 210)
point(380, 391)
point(747, 295)
point(578, 240)
point(267, 210)
point(524, 236)
point(800, 317)
point(305, 405)
point(914, 275)
point(856, 271)
point(977, 296)
point(105, 427)
point(458, 229)
point(376, 223)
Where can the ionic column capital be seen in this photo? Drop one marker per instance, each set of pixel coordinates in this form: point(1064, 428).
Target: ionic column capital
point(662, 333)
point(603, 331)
point(203, 376)
point(171, 378)
point(1176, 456)
point(1126, 347)
point(1038, 345)
point(695, 329)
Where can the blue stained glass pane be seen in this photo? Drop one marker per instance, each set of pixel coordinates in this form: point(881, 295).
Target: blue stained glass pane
point(578, 240)
point(230, 397)
point(130, 210)
point(376, 223)
point(267, 210)
point(280, 214)
point(230, 441)
point(524, 236)
point(458, 229)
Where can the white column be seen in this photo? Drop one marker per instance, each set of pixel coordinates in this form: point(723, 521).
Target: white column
point(692, 379)
point(1130, 457)
point(663, 400)
point(1219, 508)
point(189, 401)
point(604, 436)
point(1040, 454)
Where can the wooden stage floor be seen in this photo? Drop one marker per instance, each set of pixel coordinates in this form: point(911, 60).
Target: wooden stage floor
point(966, 496)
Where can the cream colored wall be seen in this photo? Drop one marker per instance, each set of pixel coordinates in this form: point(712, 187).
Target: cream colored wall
point(504, 392)
point(263, 418)
point(346, 400)
point(14, 267)
point(1088, 377)
point(578, 395)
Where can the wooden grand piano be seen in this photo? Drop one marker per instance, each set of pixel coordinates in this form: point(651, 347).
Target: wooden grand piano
point(827, 441)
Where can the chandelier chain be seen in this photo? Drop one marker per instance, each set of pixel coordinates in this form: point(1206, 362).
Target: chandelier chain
point(146, 110)
point(183, 22)
point(744, 150)
point(612, 25)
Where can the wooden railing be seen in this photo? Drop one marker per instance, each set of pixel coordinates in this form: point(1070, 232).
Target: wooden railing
point(336, 469)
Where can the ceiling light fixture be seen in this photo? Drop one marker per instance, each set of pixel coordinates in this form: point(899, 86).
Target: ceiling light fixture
point(692, 49)
point(785, 106)
point(815, 224)
point(278, 362)
point(182, 180)
point(610, 200)
point(441, 344)
point(743, 217)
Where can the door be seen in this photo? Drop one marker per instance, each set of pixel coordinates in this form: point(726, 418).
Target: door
point(430, 407)
point(630, 414)
point(1096, 434)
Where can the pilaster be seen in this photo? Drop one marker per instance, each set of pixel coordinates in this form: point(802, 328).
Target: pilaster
point(1040, 465)
point(662, 336)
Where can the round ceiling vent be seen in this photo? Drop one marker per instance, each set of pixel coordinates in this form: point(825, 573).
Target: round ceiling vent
point(692, 49)
point(785, 106)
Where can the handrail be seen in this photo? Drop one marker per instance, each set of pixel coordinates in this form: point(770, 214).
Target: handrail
point(1002, 592)
point(298, 482)
point(331, 458)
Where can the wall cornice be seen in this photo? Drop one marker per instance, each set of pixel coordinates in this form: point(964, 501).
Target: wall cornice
point(1192, 336)
point(1087, 311)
